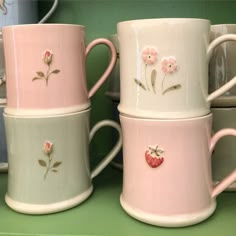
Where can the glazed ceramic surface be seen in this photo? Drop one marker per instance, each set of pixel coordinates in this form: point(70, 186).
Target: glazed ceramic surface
point(164, 67)
point(222, 65)
point(113, 83)
point(45, 68)
point(2, 73)
point(49, 161)
point(167, 170)
point(224, 155)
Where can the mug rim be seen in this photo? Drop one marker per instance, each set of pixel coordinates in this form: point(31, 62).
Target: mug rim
point(185, 119)
point(47, 116)
point(164, 19)
point(42, 25)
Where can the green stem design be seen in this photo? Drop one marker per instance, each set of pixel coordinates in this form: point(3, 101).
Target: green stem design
point(48, 167)
point(47, 76)
point(145, 75)
point(162, 83)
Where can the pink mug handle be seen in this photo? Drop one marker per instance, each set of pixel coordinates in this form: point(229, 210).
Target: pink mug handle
point(110, 67)
point(223, 184)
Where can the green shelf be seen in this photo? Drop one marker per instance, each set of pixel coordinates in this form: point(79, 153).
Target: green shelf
point(101, 214)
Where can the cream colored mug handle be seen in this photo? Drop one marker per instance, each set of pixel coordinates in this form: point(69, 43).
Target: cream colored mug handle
point(53, 8)
point(216, 42)
point(110, 67)
point(229, 179)
point(108, 158)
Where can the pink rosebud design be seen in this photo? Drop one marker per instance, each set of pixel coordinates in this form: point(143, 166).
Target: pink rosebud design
point(168, 65)
point(49, 165)
point(48, 147)
point(47, 59)
point(47, 56)
point(149, 56)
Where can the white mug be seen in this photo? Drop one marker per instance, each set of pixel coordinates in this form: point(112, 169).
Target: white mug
point(164, 67)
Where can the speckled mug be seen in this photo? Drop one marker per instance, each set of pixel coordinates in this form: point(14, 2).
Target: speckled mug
point(45, 68)
point(167, 170)
point(164, 67)
point(48, 159)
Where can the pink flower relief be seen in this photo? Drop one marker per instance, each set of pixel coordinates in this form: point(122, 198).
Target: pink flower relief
point(168, 65)
point(47, 56)
point(149, 56)
point(47, 148)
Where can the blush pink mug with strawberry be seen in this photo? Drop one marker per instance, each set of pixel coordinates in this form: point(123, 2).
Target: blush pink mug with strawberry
point(167, 178)
point(45, 68)
point(164, 67)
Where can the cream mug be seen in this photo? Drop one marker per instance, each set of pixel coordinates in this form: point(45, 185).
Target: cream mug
point(48, 159)
point(164, 67)
point(45, 68)
point(167, 170)
point(222, 65)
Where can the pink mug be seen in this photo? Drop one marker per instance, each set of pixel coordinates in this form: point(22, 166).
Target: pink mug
point(167, 177)
point(45, 68)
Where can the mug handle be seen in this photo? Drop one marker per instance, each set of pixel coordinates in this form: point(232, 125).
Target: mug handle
point(223, 184)
point(53, 8)
point(108, 158)
point(110, 67)
point(216, 42)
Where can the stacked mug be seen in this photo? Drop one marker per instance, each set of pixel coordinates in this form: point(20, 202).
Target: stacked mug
point(13, 13)
point(221, 69)
point(3, 149)
point(166, 120)
point(47, 117)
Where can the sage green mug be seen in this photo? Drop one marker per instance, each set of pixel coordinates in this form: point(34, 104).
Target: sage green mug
point(48, 160)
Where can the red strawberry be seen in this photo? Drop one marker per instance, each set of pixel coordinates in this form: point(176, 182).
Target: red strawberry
point(153, 157)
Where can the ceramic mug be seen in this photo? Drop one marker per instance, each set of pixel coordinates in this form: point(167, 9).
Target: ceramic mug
point(45, 68)
point(222, 65)
point(2, 74)
point(3, 146)
point(164, 67)
point(167, 170)
point(14, 12)
point(49, 161)
point(224, 155)
point(113, 82)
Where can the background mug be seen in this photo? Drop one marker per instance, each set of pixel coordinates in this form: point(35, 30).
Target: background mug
point(164, 67)
point(47, 76)
point(224, 155)
point(113, 83)
point(49, 161)
point(222, 65)
point(14, 12)
point(167, 170)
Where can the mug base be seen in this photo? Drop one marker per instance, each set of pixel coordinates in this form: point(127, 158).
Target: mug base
point(38, 209)
point(168, 220)
point(152, 114)
point(45, 112)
